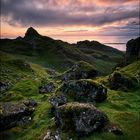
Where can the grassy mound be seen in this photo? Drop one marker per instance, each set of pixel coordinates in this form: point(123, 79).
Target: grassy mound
point(81, 70)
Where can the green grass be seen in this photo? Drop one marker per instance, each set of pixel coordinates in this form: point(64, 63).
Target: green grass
point(122, 108)
point(37, 128)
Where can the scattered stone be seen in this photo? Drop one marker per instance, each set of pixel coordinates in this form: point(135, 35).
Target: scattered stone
point(84, 118)
point(4, 86)
point(47, 88)
point(52, 136)
point(58, 100)
point(113, 129)
point(84, 91)
point(30, 103)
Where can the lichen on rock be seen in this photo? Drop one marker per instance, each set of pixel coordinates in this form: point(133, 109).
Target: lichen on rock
point(83, 118)
point(84, 91)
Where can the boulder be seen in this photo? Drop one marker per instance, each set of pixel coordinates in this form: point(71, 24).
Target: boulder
point(47, 88)
point(119, 81)
point(4, 86)
point(83, 118)
point(84, 91)
point(14, 114)
point(111, 128)
point(81, 70)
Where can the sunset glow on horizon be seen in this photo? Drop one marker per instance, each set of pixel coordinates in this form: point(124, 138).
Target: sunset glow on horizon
point(72, 20)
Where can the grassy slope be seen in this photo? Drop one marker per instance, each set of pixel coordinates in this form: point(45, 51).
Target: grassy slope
point(26, 88)
point(122, 108)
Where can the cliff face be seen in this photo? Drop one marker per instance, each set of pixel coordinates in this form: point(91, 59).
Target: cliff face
point(133, 49)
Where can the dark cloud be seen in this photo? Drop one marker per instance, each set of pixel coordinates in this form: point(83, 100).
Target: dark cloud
point(72, 12)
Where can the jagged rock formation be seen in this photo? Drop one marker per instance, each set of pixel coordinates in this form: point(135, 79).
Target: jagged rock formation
point(31, 33)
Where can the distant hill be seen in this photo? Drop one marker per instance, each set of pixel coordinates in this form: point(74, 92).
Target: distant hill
point(60, 55)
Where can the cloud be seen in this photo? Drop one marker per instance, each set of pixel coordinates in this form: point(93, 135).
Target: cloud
point(21, 12)
point(60, 13)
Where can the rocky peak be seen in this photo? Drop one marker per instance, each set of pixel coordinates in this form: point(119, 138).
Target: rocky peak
point(31, 33)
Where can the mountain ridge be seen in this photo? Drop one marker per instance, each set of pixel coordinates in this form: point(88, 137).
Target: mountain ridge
point(59, 54)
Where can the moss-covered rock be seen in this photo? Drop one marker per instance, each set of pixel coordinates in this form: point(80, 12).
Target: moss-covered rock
point(14, 114)
point(81, 70)
point(120, 81)
point(83, 118)
point(84, 91)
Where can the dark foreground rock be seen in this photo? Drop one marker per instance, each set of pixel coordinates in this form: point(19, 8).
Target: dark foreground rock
point(83, 118)
point(15, 114)
point(84, 91)
point(119, 81)
point(81, 70)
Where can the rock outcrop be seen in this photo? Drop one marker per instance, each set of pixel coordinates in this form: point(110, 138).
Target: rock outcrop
point(31, 34)
point(80, 117)
point(133, 49)
point(84, 91)
point(15, 114)
point(119, 81)
point(81, 70)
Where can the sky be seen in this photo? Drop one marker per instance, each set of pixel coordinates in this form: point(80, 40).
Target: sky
point(107, 21)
